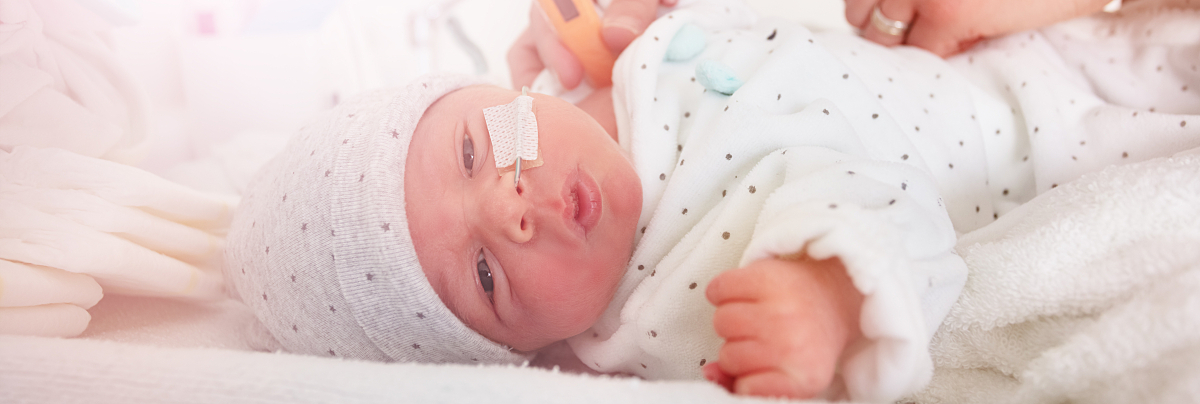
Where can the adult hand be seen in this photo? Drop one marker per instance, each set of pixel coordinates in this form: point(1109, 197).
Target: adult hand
point(539, 48)
point(785, 325)
point(946, 27)
point(624, 20)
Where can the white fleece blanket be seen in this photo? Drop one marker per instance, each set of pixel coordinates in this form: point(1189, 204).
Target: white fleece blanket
point(43, 370)
point(63, 86)
point(71, 225)
point(1089, 293)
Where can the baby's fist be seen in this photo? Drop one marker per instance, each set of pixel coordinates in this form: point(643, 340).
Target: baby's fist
point(785, 325)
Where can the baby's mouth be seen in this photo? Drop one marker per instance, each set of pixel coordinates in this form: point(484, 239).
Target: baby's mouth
point(575, 204)
point(584, 202)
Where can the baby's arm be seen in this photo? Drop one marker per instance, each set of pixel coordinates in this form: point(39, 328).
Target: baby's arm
point(785, 325)
point(599, 104)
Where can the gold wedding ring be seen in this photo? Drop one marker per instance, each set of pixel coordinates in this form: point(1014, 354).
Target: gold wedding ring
point(887, 25)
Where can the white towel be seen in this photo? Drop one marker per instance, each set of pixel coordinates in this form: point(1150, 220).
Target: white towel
point(1087, 293)
point(63, 86)
point(44, 370)
point(66, 219)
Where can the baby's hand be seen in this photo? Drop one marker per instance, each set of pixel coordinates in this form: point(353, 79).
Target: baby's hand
point(785, 325)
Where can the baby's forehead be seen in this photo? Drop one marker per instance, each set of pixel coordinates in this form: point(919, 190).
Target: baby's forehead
point(481, 94)
point(476, 97)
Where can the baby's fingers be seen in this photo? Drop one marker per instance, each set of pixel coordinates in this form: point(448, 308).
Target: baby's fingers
point(560, 60)
point(740, 284)
point(775, 383)
point(712, 372)
point(538, 48)
point(748, 356)
point(740, 320)
point(524, 63)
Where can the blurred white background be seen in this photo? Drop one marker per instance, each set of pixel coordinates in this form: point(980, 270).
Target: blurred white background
point(220, 70)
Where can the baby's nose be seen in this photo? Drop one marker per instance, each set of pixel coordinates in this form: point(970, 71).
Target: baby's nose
point(507, 210)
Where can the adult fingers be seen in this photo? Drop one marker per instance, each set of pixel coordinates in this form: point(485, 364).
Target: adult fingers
point(897, 10)
point(524, 64)
point(775, 383)
point(624, 20)
point(952, 26)
point(939, 41)
point(858, 12)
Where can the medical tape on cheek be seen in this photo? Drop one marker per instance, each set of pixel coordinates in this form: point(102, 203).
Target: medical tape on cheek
point(514, 133)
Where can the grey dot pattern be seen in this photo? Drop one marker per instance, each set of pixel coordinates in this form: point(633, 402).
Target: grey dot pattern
point(942, 147)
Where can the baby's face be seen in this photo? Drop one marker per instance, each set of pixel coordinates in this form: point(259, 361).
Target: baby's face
point(522, 265)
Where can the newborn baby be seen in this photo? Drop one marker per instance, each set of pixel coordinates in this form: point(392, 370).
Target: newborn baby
point(778, 206)
point(750, 234)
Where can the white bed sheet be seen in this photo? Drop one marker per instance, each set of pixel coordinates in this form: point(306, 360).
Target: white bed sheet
point(152, 349)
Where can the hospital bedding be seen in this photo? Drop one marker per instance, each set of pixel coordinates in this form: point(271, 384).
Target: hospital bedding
point(1061, 290)
point(1085, 293)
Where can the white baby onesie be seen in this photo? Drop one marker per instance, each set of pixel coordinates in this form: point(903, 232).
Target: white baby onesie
point(804, 157)
point(833, 146)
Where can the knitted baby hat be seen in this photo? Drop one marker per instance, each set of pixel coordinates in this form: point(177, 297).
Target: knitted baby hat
point(320, 249)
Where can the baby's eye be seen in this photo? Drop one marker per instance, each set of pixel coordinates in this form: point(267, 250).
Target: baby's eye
point(485, 274)
point(468, 150)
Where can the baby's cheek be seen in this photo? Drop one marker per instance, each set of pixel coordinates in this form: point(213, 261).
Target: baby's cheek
point(567, 281)
point(626, 199)
point(574, 292)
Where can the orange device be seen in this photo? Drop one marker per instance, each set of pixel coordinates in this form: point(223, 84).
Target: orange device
point(578, 26)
